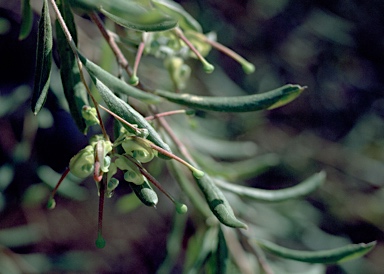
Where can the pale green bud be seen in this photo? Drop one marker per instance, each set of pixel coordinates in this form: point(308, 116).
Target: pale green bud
point(82, 164)
point(139, 149)
point(132, 172)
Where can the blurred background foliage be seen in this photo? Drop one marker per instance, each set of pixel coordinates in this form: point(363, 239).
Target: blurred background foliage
point(336, 48)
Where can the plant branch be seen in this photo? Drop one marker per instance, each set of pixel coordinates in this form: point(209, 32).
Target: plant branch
point(111, 42)
point(163, 114)
point(181, 147)
point(79, 64)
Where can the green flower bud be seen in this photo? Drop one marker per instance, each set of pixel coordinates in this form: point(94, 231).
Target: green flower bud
point(82, 164)
point(133, 177)
point(102, 148)
point(132, 173)
point(138, 149)
point(111, 171)
point(90, 116)
point(178, 71)
point(111, 186)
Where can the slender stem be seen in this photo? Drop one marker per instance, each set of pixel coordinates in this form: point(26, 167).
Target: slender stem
point(120, 119)
point(183, 150)
point(163, 114)
point(116, 51)
point(79, 64)
point(155, 182)
point(247, 66)
point(225, 50)
point(59, 182)
point(140, 50)
point(207, 66)
point(102, 186)
point(171, 155)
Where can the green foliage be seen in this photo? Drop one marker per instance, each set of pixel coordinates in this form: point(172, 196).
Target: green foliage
point(27, 21)
point(43, 60)
point(332, 256)
point(143, 138)
point(74, 90)
point(268, 100)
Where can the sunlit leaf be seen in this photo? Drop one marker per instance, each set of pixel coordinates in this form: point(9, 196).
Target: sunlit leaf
point(116, 84)
point(267, 100)
point(129, 114)
point(135, 15)
point(138, 15)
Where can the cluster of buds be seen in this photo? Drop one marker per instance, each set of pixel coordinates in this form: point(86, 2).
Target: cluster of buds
point(100, 158)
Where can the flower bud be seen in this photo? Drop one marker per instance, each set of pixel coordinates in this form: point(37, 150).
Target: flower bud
point(132, 173)
point(82, 164)
point(90, 116)
point(138, 149)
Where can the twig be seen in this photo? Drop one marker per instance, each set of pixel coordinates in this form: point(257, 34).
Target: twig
point(111, 42)
point(163, 114)
point(79, 64)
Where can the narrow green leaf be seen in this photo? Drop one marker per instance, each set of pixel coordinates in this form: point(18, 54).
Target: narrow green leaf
point(263, 195)
point(138, 15)
point(43, 60)
point(222, 253)
point(268, 100)
point(116, 84)
point(186, 21)
point(128, 113)
point(217, 202)
point(74, 90)
point(161, 24)
point(141, 17)
point(27, 19)
point(331, 256)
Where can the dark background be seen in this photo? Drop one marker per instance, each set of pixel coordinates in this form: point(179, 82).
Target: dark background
point(335, 48)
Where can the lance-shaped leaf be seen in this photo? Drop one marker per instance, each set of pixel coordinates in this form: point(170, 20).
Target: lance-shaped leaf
point(217, 202)
point(74, 90)
point(142, 17)
point(27, 19)
point(116, 84)
point(138, 15)
point(43, 60)
point(331, 256)
point(268, 100)
point(263, 195)
point(129, 114)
